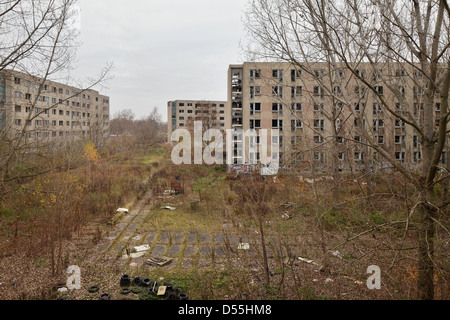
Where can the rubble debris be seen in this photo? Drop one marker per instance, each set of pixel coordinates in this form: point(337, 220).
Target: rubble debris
point(162, 291)
point(337, 254)
point(169, 208)
point(285, 216)
point(244, 246)
point(307, 261)
point(159, 262)
point(142, 248)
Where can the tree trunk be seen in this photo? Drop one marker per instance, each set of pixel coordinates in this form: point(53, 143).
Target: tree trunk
point(425, 283)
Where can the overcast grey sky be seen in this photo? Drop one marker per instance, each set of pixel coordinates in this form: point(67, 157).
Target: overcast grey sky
point(162, 50)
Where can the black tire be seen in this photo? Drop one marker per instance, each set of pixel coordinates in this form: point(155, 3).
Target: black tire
point(136, 290)
point(94, 289)
point(173, 296)
point(125, 280)
point(105, 296)
point(146, 282)
point(182, 296)
point(177, 289)
point(125, 291)
point(137, 281)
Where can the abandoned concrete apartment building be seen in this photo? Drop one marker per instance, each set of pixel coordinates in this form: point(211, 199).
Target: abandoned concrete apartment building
point(51, 111)
point(318, 122)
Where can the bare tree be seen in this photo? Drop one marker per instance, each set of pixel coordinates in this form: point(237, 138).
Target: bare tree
point(381, 44)
point(38, 38)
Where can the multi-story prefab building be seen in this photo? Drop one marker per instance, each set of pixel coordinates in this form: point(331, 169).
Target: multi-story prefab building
point(183, 114)
point(320, 112)
point(49, 110)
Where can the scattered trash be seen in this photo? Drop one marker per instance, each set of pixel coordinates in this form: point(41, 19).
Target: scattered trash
point(142, 248)
point(309, 181)
point(159, 262)
point(315, 280)
point(105, 296)
point(169, 208)
point(125, 280)
point(93, 289)
point(162, 291)
point(125, 291)
point(244, 246)
point(285, 216)
point(337, 254)
point(329, 280)
point(122, 210)
point(62, 290)
point(137, 281)
point(306, 260)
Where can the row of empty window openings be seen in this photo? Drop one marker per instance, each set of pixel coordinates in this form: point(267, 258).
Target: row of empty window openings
point(54, 123)
point(338, 74)
point(74, 114)
point(46, 88)
point(318, 91)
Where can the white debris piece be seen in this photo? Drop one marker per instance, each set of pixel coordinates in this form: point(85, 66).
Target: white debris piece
point(169, 208)
point(244, 246)
point(122, 210)
point(145, 247)
point(305, 260)
point(62, 290)
point(328, 280)
point(337, 254)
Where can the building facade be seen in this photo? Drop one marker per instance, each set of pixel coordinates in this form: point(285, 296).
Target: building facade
point(183, 114)
point(320, 112)
point(322, 115)
point(48, 110)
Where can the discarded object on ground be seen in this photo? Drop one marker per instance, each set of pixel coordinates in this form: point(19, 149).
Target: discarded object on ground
point(177, 188)
point(244, 246)
point(105, 296)
point(285, 216)
point(134, 255)
point(307, 260)
point(136, 290)
point(169, 208)
point(122, 210)
point(337, 254)
point(146, 282)
point(162, 291)
point(93, 289)
point(125, 291)
point(125, 280)
point(328, 280)
point(137, 281)
point(62, 290)
point(159, 262)
point(142, 248)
